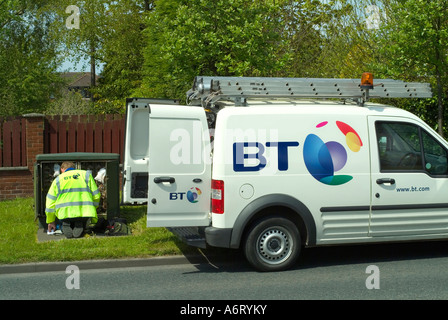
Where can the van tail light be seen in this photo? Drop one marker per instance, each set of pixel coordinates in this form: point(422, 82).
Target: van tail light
point(218, 196)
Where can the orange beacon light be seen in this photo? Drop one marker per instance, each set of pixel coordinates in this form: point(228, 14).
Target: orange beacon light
point(367, 80)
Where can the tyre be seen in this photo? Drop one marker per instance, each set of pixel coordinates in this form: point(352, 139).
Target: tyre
point(272, 244)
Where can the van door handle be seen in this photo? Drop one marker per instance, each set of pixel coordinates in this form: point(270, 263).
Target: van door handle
point(164, 179)
point(385, 180)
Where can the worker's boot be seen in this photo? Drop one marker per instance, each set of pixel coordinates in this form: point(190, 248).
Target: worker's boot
point(78, 229)
point(67, 229)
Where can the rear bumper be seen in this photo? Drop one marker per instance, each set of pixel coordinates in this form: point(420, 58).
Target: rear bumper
point(218, 237)
point(193, 236)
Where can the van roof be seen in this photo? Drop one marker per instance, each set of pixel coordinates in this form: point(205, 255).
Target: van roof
point(313, 106)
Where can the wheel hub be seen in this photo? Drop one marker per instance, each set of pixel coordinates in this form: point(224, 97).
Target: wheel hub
point(274, 245)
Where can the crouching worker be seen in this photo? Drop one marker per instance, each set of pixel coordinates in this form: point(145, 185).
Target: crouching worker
point(72, 198)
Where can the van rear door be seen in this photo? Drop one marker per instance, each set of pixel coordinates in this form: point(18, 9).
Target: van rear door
point(136, 148)
point(179, 167)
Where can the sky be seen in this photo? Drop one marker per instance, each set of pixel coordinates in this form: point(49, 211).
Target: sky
point(82, 66)
point(71, 67)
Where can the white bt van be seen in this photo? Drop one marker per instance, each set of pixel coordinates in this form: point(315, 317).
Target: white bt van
point(272, 165)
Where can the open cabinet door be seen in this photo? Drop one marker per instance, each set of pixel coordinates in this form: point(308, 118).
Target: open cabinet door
point(179, 167)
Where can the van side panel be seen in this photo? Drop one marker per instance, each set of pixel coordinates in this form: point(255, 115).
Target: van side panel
point(251, 211)
point(319, 159)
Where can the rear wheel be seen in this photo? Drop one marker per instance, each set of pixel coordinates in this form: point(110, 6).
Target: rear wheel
point(272, 244)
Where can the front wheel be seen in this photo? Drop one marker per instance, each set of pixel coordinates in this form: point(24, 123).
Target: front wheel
point(272, 244)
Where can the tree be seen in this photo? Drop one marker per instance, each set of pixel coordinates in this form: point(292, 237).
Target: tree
point(320, 37)
point(28, 58)
point(122, 54)
point(109, 33)
point(69, 102)
point(200, 37)
point(415, 40)
point(81, 30)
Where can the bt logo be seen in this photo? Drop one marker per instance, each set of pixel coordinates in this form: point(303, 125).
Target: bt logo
point(324, 159)
point(75, 176)
point(321, 159)
point(191, 195)
point(239, 155)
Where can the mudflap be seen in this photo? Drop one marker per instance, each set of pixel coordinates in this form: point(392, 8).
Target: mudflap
point(193, 236)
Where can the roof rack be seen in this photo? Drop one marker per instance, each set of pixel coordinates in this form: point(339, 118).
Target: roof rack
point(207, 91)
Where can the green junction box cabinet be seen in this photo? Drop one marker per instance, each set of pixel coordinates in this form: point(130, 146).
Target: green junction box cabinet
point(46, 164)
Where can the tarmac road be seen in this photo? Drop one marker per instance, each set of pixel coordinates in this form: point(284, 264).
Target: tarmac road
point(394, 271)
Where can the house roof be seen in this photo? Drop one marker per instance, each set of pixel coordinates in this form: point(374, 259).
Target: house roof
point(78, 79)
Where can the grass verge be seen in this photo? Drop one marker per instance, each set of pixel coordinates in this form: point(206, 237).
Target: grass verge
point(18, 239)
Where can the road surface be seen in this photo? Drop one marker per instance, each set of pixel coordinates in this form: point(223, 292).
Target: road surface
point(394, 271)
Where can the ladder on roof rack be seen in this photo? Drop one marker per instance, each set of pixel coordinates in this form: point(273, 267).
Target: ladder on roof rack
point(207, 91)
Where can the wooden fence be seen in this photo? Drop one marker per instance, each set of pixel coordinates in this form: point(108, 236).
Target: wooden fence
point(12, 142)
point(61, 134)
point(83, 133)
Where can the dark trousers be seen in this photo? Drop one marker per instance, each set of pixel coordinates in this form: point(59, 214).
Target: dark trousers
point(72, 221)
point(74, 227)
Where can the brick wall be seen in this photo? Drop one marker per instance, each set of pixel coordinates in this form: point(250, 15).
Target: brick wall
point(35, 140)
point(17, 182)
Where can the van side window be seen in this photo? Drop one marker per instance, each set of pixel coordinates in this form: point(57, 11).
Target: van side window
point(435, 155)
point(400, 148)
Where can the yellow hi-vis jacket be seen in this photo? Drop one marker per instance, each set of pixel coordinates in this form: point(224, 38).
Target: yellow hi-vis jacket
point(73, 194)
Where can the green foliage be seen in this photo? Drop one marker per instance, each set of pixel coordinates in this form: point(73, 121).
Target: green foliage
point(155, 48)
point(414, 43)
point(320, 39)
point(110, 34)
point(306, 38)
point(416, 37)
point(199, 37)
point(123, 55)
point(27, 58)
point(84, 38)
point(69, 102)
